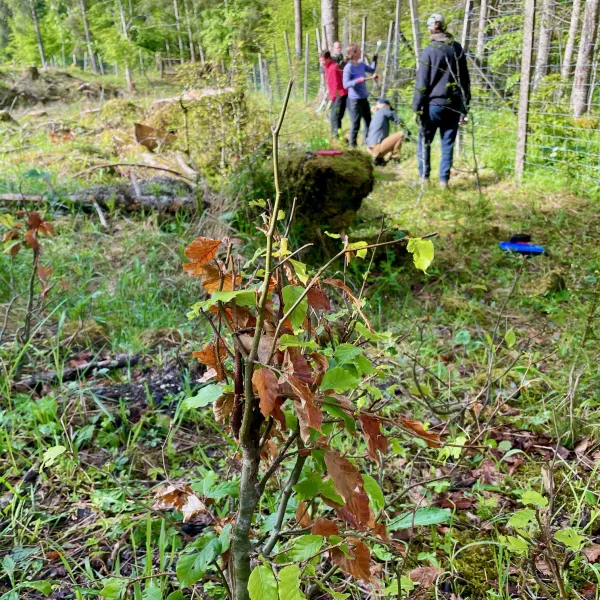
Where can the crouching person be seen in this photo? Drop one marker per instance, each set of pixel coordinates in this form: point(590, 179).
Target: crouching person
point(383, 146)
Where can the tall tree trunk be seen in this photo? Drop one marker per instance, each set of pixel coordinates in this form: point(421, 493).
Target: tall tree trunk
point(329, 20)
point(298, 28)
point(178, 26)
point(125, 32)
point(483, 15)
point(88, 37)
point(188, 22)
point(544, 41)
point(38, 35)
point(573, 29)
point(587, 40)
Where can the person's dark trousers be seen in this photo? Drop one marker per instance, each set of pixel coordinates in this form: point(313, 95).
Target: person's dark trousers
point(338, 110)
point(444, 118)
point(359, 109)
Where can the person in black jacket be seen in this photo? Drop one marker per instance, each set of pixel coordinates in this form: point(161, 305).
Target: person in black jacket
point(442, 96)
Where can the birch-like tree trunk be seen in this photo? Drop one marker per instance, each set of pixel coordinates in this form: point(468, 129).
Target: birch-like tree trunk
point(88, 37)
point(38, 35)
point(178, 26)
point(188, 22)
point(298, 28)
point(483, 15)
point(125, 31)
point(544, 41)
point(565, 70)
point(329, 20)
point(579, 93)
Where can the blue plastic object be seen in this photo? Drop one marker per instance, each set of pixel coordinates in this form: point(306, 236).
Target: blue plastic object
point(522, 248)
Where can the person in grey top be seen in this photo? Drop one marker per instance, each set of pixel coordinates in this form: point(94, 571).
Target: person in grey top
point(383, 146)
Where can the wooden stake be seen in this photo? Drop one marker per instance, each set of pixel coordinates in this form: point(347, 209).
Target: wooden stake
point(324, 40)
point(289, 60)
point(306, 68)
point(524, 88)
point(277, 80)
point(464, 34)
point(254, 78)
point(262, 75)
point(387, 58)
point(414, 17)
point(345, 36)
point(363, 37)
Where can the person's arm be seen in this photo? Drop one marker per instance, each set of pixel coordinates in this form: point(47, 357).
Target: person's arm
point(371, 68)
point(348, 83)
point(422, 82)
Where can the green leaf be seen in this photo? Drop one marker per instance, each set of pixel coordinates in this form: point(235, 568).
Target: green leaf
point(262, 584)
point(339, 380)
point(7, 220)
point(531, 498)
point(310, 486)
point(51, 454)
point(522, 519)
point(289, 583)
point(505, 446)
point(305, 546)
point(345, 353)
point(422, 517)
point(360, 247)
point(366, 367)
point(462, 338)
point(337, 595)
point(241, 297)
point(113, 588)
point(335, 236)
point(406, 584)
point(176, 595)
point(300, 270)
point(422, 251)
point(291, 341)
point(570, 538)
point(45, 587)
point(259, 203)
point(328, 491)
point(339, 413)
point(207, 395)
point(510, 338)
point(280, 215)
point(374, 492)
point(291, 293)
point(152, 592)
point(191, 567)
point(516, 545)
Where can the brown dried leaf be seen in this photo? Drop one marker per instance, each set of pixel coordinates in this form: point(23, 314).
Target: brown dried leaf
point(213, 355)
point(264, 346)
point(592, 553)
point(278, 414)
point(295, 364)
point(31, 239)
point(433, 440)
point(302, 516)
point(320, 366)
point(325, 527)
point(201, 251)
point(308, 413)
point(222, 407)
point(457, 500)
point(317, 299)
point(266, 383)
point(349, 485)
point(425, 575)
point(34, 220)
point(180, 497)
point(376, 440)
point(360, 566)
point(46, 228)
point(211, 279)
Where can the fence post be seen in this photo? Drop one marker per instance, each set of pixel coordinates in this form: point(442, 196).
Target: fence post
point(324, 40)
point(414, 18)
point(277, 80)
point(387, 58)
point(102, 65)
point(289, 61)
point(464, 34)
point(261, 74)
point(306, 68)
point(345, 35)
point(524, 88)
point(363, 37)
point(254, 78)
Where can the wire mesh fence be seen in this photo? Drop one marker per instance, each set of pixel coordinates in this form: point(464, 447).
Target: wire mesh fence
point(553, 107)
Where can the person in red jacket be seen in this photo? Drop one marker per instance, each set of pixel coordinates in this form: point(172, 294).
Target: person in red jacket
point(337, 94)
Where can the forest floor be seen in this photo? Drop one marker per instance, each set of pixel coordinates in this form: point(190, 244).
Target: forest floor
point(510, 337)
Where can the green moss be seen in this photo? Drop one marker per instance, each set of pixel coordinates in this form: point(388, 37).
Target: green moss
point(476, 566)
point(120, 112)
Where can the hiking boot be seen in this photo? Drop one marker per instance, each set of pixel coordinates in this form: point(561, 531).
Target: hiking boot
point(443, 185)
point(379, 162)
point(424, 181)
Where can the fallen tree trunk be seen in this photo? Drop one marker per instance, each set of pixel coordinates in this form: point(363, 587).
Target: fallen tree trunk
point(166, 204)
point(34, 381)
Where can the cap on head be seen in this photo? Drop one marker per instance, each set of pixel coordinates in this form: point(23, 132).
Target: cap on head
point(384, 101)
point(436, 21)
